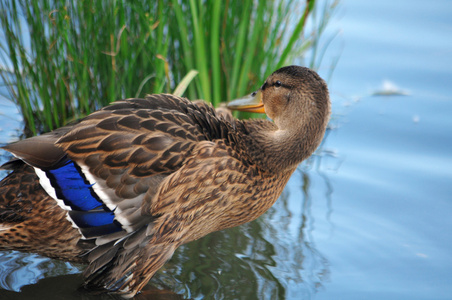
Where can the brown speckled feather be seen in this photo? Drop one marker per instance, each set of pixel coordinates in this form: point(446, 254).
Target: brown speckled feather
point(24, 209)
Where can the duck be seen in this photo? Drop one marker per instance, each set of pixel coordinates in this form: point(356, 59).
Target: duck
point(124, 187)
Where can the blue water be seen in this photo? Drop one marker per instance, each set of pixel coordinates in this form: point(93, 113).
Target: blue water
point(389, 235)
point(369, 216)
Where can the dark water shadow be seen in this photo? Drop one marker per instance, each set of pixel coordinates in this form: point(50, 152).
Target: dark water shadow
point(67, 287)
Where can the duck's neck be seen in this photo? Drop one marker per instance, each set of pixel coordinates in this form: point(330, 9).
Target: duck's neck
point(282, 150)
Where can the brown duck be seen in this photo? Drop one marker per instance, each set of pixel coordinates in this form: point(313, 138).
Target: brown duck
point(127, 185)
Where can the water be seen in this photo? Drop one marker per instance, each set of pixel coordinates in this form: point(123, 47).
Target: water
point(366, 218)
point(389, 235)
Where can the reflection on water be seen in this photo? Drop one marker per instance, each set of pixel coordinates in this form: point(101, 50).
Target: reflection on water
point(67, 287)
point(19, 269)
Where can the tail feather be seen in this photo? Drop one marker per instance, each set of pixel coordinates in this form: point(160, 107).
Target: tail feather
point(127, 266)
point(101, 256)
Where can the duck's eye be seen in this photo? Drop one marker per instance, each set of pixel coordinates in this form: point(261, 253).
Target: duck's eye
point(278, 83)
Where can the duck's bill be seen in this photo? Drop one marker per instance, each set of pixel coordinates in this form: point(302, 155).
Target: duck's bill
point(252, 103)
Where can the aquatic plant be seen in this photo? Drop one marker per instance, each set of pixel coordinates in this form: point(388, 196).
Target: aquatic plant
point(61, 60)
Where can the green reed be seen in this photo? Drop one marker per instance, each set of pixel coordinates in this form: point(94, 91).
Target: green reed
point(62, 60)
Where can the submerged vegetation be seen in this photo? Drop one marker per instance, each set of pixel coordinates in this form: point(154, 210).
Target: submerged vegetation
point(61, 60)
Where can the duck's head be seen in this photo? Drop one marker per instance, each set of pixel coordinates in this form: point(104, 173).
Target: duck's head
point(297, 100)
point(289, 96)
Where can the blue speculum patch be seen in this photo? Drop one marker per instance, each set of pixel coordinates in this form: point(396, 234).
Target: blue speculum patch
point(88, 211)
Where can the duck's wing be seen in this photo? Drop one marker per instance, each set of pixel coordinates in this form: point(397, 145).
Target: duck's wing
point(104, 170)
